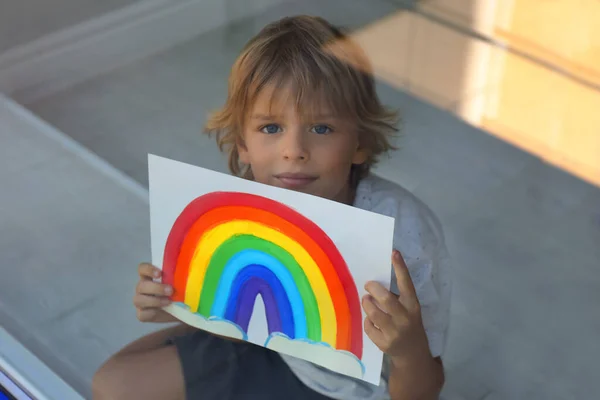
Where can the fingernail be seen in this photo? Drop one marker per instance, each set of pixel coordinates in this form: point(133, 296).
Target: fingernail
point(157, 273)
point(168, 290)
point(165, 302)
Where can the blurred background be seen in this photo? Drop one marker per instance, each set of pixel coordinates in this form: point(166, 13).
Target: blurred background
point(501, 138)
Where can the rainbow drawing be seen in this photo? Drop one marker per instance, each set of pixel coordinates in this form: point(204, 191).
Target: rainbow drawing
point(226, 248)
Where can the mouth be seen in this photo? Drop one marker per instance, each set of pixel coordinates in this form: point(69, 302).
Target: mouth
point(295, 180)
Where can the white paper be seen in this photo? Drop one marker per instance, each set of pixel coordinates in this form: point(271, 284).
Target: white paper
point(363, 238)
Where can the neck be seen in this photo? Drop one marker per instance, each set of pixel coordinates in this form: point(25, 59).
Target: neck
point(346, 195)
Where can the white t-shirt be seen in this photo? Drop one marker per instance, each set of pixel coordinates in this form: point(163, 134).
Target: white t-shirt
point(419, 237)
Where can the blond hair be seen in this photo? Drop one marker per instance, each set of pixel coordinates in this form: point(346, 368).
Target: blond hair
point(320, 63)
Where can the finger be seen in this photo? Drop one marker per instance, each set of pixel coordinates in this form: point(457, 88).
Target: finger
point(381, 320)
point(144, 301)
point(373, 333)
point(408, 294)
point(145, 315)
point(386, 300)
point(154, 288)
point(149, 271)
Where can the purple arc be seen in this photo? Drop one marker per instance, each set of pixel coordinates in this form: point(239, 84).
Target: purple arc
point(247, 285)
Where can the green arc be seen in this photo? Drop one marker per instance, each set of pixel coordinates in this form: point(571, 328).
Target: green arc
point(238, 243)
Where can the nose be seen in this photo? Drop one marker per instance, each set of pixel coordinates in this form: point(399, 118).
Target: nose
point(294, 146)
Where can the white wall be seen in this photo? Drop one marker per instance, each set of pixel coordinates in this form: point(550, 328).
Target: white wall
point(22, 21)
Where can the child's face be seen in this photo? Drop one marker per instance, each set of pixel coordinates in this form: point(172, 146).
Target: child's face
point(286, 149)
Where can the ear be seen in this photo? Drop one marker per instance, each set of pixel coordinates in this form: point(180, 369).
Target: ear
point(360, 156)
point(361, 153)
point(242, 151)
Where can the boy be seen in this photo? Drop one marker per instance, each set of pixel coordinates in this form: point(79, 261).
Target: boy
point(302, 114)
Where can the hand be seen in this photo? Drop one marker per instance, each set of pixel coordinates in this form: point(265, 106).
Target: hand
point(151, 296)
point(394, 323)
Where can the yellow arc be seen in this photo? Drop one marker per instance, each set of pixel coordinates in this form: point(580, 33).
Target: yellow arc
point(212, 239)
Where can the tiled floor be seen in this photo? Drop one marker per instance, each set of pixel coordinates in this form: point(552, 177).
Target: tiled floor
point(524, 235)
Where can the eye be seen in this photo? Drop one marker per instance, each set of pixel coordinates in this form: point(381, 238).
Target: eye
point(270, 129)
point(321, 129)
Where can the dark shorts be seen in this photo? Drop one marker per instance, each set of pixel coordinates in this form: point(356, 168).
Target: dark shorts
point(216, 368)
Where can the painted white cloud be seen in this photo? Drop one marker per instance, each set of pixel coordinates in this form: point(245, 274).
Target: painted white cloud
point(216, 326)
point(319, 353)
point(337, 360)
